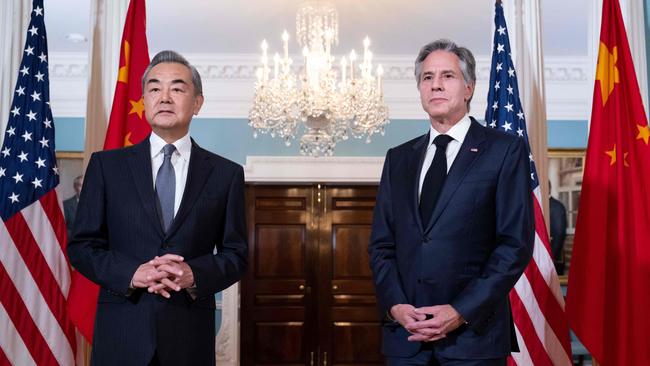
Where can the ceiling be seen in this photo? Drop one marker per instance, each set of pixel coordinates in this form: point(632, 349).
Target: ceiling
point(396, 27)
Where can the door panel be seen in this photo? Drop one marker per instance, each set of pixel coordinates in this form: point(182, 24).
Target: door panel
point(278, 313)
point(280, 251)
point(308, 298)
point(351, 326)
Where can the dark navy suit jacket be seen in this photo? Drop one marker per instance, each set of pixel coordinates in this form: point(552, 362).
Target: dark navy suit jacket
point(476, 245)
point(118, 228)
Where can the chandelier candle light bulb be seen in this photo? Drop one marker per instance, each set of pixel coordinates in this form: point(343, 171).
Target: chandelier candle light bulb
point(276, 65)
point(285, 43)
point(344, 64)
point(353, 57)
point(330, 110)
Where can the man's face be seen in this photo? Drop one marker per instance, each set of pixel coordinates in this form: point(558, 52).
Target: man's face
point(78, 184)
point(443, 91)
point(170, 100)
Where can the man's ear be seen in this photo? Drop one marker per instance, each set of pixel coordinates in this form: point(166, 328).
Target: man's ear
point(198, 103)
point(470, 90)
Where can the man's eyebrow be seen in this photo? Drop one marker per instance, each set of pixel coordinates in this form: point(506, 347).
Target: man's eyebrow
point(175, 81)
point(445, 71)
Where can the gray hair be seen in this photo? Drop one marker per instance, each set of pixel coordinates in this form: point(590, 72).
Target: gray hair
point(174, 57)
point(466, 60)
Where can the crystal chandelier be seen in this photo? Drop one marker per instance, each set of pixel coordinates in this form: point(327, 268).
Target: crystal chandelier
point(332, 103)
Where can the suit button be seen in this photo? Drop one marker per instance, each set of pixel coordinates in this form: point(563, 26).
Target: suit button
point(419, 280)
point(166, 245)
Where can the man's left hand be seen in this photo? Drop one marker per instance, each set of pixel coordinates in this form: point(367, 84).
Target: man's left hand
point(180, 275)
point(445, 319)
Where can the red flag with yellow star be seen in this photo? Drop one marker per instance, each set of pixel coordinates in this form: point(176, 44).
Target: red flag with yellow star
point(127, 126)
point(609, 279)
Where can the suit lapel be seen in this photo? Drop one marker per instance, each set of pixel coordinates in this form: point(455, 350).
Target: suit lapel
point(197, 173)
point(415, 168)
point(139, 162)
point(469, 151)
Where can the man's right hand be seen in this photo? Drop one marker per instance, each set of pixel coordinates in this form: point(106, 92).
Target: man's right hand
point(405, 314)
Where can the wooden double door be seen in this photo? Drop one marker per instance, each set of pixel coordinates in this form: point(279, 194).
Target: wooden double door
point(308, 297)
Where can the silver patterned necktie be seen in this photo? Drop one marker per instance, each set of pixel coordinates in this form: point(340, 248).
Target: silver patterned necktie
point(166, 186)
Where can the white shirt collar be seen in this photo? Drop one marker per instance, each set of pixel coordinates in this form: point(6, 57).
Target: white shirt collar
point(457, 131)
point(183, 145)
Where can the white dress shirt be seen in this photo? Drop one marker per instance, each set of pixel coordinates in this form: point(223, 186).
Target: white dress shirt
point(457, 133)
point(180, 162)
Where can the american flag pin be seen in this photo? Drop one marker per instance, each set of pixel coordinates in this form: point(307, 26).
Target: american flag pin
point(473, 149)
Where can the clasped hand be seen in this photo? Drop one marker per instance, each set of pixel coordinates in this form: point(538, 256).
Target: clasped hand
point(443, 319)
point(164, 274)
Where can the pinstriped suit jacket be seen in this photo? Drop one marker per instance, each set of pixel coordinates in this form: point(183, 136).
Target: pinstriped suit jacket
point(118, 228)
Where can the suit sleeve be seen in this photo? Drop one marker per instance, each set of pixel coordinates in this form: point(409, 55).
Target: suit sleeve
point(216, 272)
point(381, 248)
point(514, 220)
point(88, 249)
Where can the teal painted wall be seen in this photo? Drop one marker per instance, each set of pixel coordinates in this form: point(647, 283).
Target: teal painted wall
point(233, 138)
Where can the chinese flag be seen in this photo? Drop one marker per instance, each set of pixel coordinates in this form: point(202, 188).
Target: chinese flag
point(609, 280)
point(127, 126)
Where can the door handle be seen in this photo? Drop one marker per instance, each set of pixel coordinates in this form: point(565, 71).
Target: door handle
point(312, 359)
point(324, 358)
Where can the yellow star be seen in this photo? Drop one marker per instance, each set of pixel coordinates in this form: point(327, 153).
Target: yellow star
point(127, 140)
point(123, 74)
point(644, 133)
point(606, 71)
point(612, 154)
point(137, 107)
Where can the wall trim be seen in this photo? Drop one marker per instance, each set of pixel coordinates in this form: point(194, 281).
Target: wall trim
point(228, 85)
point(302, 169)
point(227, 340)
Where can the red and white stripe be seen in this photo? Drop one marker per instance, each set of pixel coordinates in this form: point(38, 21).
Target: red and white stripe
point(35, 278)
point(538, 305)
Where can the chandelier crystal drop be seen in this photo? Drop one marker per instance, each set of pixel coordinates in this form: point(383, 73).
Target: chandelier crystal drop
point(333, 100)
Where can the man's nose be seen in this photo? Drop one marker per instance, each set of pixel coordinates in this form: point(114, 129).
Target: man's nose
point(165, 96)
point(436, 83)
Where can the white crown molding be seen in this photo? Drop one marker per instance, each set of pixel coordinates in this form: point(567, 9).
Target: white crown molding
point(293, 169)
point(228, 85)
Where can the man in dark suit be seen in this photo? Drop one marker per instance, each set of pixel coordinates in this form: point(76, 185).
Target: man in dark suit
point(70, 205)
point(558, 225)
point(150, 218)
point(452, 228)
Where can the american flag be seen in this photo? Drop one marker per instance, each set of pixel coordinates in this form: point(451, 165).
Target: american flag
point(537, 301)
point(34, 271)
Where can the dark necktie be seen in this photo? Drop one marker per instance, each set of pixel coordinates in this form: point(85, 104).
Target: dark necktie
point(434, 179)
point(166, 186)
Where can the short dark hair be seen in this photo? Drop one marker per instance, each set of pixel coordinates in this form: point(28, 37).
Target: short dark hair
point(466, 60)
point(174, 57)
